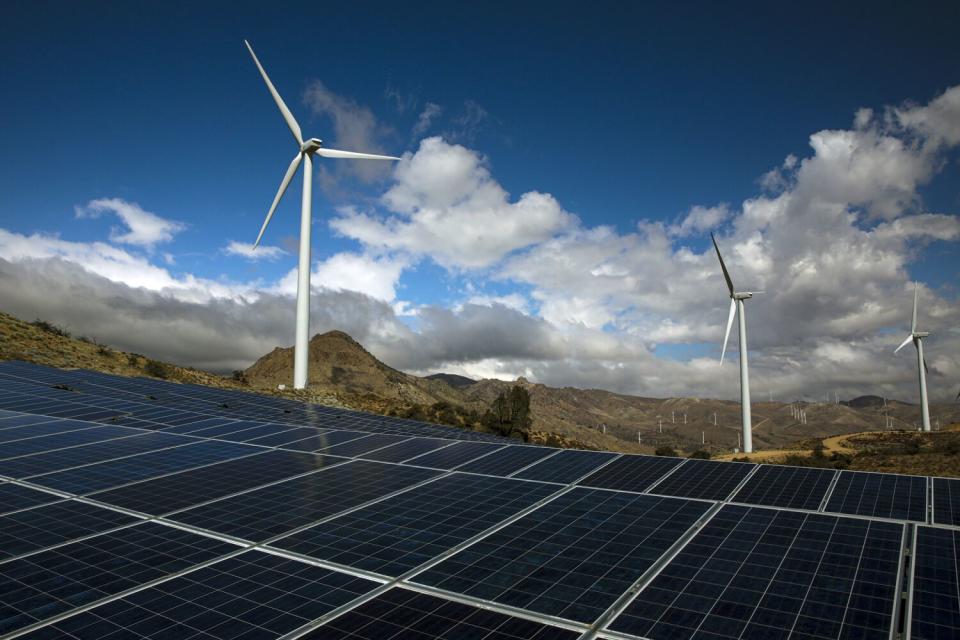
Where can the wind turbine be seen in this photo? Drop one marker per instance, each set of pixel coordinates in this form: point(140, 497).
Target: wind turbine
point(305, 152)
point(736, 307)
point(917, 338)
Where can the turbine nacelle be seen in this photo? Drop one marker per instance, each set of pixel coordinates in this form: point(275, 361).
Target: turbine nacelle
point(742, 295)
point(311, 145)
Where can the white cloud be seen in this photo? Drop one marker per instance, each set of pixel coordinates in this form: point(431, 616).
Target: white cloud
point(700, 219)
point(447, 206)
point(375, 276)
point(430, 112)
point(246, 250)
point(143, 228)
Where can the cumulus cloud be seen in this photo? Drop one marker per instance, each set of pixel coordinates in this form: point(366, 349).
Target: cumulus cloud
point(375, 276)
point(444, 203)
point(142, 227)
point(430, 112)
point(700, 219)
point(247, 250)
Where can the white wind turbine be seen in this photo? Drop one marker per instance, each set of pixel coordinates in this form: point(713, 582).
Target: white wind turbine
point(917, 338)
point(736, 307)
point(305, 152)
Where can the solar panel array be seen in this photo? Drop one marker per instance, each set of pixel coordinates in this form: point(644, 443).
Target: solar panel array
point(137, 508)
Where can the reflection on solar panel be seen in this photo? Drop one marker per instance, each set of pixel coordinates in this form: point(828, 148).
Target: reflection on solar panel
point(935, 609)
point(706, 479)
point(13, 497)
point(792, 487)
point(169, 493)
point(507, 460)
point(946, 501)
point(114, 473)
point(400, 614)
point(89, 453)
point(47, 583)
point(247, 596)
point(405, 531)
point(51, 524)
point(631, 473)
point(882, 495)
point(256, 516)
point(324, 440)
point(406, 450)
point(567, 466)
point(572, 557)
point(762, 573)
point(454, 455)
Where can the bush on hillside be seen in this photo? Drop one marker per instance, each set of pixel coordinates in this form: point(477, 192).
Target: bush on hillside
point(700, 455)
point(156, 369)
point(43, 325)
point(666, 451)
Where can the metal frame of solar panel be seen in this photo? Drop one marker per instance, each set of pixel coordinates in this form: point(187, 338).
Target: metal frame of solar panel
point(429, 530)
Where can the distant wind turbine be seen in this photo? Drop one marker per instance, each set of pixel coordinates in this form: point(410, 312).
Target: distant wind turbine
point(736, 307)
point(917, 338)
point(305, 152)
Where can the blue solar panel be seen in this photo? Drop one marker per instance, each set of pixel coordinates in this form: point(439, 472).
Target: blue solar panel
point(363, 445)
point(400, 614)
point(62, 440)
point(508, 460)
point(51, 524)
point(113, 473)
point(572, 557)
point(631, 473)
point(396, 535)
point(764, 573)
point(252, 595)
point(170, 493)
point(263, 513)
point(33, 430)
point(882, 495)
point(406, 450)
point(13, 497)
point(567, 466)
point(455, 455)
point(323, 440)
point(704, 479)
point(935, 609)
point(47, 461)
point(790, 487)
point(45, 584)
point(946, 501)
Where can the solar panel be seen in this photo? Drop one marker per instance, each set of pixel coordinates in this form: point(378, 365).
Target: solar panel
point(631, 473)
point(281, 507)
point(705, 479)
point(946, 501)
point(453, 456)
point(51, 524)
point(25, 466)
point(170, 493)
point(247, 596)
point(882, 495)
point(752, 572)
point(790, 487)
point(45, 584)
point(508, 460)
point(935, 607)
point(113, 473)
point(62, 440)
point(406, 450)
point(363, 445)
point(567, 466)
point(323, 440)
point(20, 432)
point(14, 497)
point(400, 614)
point(572, 557)
point(284, 437)
point(398, 534)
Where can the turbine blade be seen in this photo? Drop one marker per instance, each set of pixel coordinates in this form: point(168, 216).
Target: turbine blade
point(733, 310)
point(958, 396)
point(336, 153)
point(726, 275)
point(925, 367)
point(913, 323)
point(287, 116)
point(904, 343)
point(292, 169)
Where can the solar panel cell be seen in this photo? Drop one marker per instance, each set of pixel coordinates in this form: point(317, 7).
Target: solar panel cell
point(935, 609)
point(406, 450)
point(946, 501)
point(882, 495)
point(51, 524)
point(705, 479)
point(455, 455)
point(505, 461)
point(13, 497)
point(790, 487)
point(567, 466)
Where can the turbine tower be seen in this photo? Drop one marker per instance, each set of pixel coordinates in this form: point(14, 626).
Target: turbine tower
point(736, 307)
point(306, 149)
point(917, 338)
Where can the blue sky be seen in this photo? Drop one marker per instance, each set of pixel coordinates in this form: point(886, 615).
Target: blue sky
point(627, 116)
